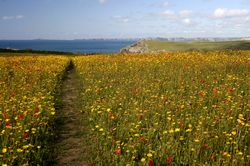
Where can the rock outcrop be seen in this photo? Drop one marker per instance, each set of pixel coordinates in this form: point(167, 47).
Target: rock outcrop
point(137, 48)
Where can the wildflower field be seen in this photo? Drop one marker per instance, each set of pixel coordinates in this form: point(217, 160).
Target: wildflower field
point(182, 108)
point(27, 88)
point(189, 108)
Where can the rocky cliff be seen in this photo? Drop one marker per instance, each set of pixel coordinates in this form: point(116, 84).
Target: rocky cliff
point(137, 48)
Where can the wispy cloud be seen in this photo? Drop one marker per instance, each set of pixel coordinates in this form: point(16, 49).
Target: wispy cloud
point(181, 18)
point(17, 17)
point(185, 13)
point(168, 14)
point(176, 14)
point(186, 21)
point(226, 13)
point(164, 4)
point(8, 17)
point(121, 18)
point(103, 1)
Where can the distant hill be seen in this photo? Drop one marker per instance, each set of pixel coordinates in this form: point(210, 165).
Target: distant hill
point(155, 45)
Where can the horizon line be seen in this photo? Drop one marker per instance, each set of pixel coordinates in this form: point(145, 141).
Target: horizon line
point(137, 38)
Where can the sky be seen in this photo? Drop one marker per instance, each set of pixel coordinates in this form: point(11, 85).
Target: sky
point(84, 19)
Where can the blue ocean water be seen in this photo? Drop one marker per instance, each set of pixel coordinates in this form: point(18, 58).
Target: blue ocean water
point(76, 46)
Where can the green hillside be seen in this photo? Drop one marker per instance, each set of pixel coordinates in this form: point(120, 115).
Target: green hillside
point(156, 45)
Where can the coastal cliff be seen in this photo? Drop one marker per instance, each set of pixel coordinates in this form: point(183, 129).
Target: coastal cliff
point(138, 47)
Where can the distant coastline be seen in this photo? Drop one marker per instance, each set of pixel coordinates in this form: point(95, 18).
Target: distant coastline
point(110, 46)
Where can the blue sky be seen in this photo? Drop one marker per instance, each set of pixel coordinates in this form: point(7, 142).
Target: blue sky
point(77, 19)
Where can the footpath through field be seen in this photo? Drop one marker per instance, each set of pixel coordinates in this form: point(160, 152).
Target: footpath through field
point(69, 145)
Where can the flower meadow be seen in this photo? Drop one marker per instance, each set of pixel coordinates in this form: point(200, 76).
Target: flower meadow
point(184, 108)
point(27, 106)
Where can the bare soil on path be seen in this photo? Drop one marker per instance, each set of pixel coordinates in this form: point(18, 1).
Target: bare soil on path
point(69, 147)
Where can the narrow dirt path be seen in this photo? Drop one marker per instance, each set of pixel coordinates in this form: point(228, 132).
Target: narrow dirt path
point(69, 145)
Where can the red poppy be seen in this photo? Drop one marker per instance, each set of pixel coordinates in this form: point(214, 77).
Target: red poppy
point(150, 163)
point(7, 124)
point(36, 115)
point(206, 146)
point(165, 99)
point(215, 91)
point(5, 116)
point(142, 139)
point(13, 94)
point(36, 110)
point(118, 151)
point(169, 160)
point(213, 157)
point(202, 81)
point(25, 135)
point(21, 116)
point(230, 89)
point(201, 93)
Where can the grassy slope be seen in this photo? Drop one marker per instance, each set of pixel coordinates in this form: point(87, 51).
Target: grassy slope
point(155, 45)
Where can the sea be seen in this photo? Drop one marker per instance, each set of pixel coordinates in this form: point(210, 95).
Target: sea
point(75, 46)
